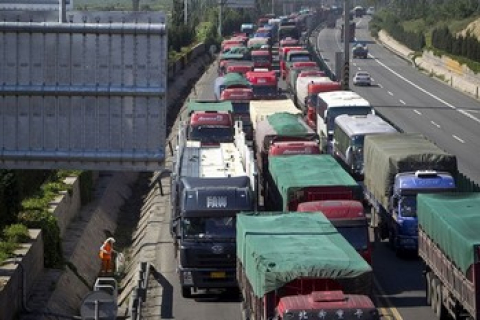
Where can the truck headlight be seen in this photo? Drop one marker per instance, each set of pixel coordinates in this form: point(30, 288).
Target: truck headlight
point(187, 278)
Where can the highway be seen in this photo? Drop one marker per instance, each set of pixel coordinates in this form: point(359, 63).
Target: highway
point(415, 102)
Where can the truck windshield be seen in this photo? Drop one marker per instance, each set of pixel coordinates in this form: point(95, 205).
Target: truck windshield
point(209, 227)
point(261, 59)
point(206, 133)
point(408, 206)
point(357, 236)
point(300, 58)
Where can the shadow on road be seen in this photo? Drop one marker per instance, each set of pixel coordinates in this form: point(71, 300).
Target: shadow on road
point(218, 296)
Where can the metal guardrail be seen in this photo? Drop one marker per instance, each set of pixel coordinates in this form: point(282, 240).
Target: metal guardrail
point(139, 294)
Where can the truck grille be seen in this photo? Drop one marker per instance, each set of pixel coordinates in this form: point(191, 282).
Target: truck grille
point(216, 260)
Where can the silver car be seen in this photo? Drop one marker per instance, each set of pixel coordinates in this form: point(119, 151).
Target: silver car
point(362, 78)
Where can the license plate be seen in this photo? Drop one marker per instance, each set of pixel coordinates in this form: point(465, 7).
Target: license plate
point(217, 274)
point(262, 80)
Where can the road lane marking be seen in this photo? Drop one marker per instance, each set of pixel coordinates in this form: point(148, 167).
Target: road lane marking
point(417, 112)
point(458, 138)
point(380, 86)
point(390, 93)
point(384, 296)
point(428, 93)
point(435, 124)
point(401, 101)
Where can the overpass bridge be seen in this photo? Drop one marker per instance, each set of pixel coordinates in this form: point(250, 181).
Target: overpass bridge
point(88, 93)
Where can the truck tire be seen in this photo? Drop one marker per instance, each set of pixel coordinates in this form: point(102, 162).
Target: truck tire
point(428, 288)
point(433, 290)
point(440, 310)
point(186, 292)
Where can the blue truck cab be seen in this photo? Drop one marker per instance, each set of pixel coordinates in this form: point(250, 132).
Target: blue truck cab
point(399, 222)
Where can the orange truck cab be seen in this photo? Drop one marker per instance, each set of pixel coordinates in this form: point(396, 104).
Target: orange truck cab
point(264, 83)
point(262, 59)
point(284, 148)
point(240, 99)
point(210, 127)
point(349, 218)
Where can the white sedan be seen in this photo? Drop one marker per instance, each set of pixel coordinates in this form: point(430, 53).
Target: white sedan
point(362, 78)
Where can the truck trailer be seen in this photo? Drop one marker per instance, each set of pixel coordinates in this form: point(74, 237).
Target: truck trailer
point(210, 185)
point(349, 217)
point(304, 178)
point(276, 128)
point(307, 89)
point(260, 109)
point(298, 266)
point(449, 245)
point(398, 167)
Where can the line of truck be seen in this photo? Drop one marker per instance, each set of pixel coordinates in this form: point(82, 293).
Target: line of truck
point(275, 205)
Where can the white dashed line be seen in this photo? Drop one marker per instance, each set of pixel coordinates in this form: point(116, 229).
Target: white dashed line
point(401, 101)
point(380, 86)
point(390, 93)
point(435, 124)
point(457, 138)
point(417, 112)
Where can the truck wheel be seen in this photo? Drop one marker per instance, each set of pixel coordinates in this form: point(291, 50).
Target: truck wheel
point(428, 288)
point(440, 310)
point(186, 292)
point(433, 290)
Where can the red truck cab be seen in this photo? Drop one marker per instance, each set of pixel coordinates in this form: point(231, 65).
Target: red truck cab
point(349, 218)
point(264, 83)
point(210, 127)
point(312, 73)
point(234, 42)
point(289, 42)
point(294, 56)
point(241, 67)
point(284, 148)
point(262, 59)
point(311, 102)
point(240, 98)
point(326, 305)
point(282, 54)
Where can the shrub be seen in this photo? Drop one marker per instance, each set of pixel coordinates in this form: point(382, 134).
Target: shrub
point(43, 219)
point(17, 233)
point(6, 250)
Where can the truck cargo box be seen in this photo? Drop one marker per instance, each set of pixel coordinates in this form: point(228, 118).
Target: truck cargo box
point(321, 174)
point(282, 125)
point(260, 109)
point(452, 221)
point(387, 155)
point(278, 248)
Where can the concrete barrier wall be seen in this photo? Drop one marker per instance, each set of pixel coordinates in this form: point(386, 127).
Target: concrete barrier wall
point(11, 275)
point(66, 205)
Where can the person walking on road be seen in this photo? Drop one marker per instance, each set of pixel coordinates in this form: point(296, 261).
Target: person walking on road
point(106, 253)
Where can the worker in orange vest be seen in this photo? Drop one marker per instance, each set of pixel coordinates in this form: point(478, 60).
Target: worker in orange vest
point(106, 252)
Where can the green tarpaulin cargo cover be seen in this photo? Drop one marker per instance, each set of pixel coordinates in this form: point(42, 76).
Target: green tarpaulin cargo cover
point(388, 154)
point(234, 79)
point(294, 172)
point(282, 125)
point(277, 248)
point(452, 221)
point(193, 106)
